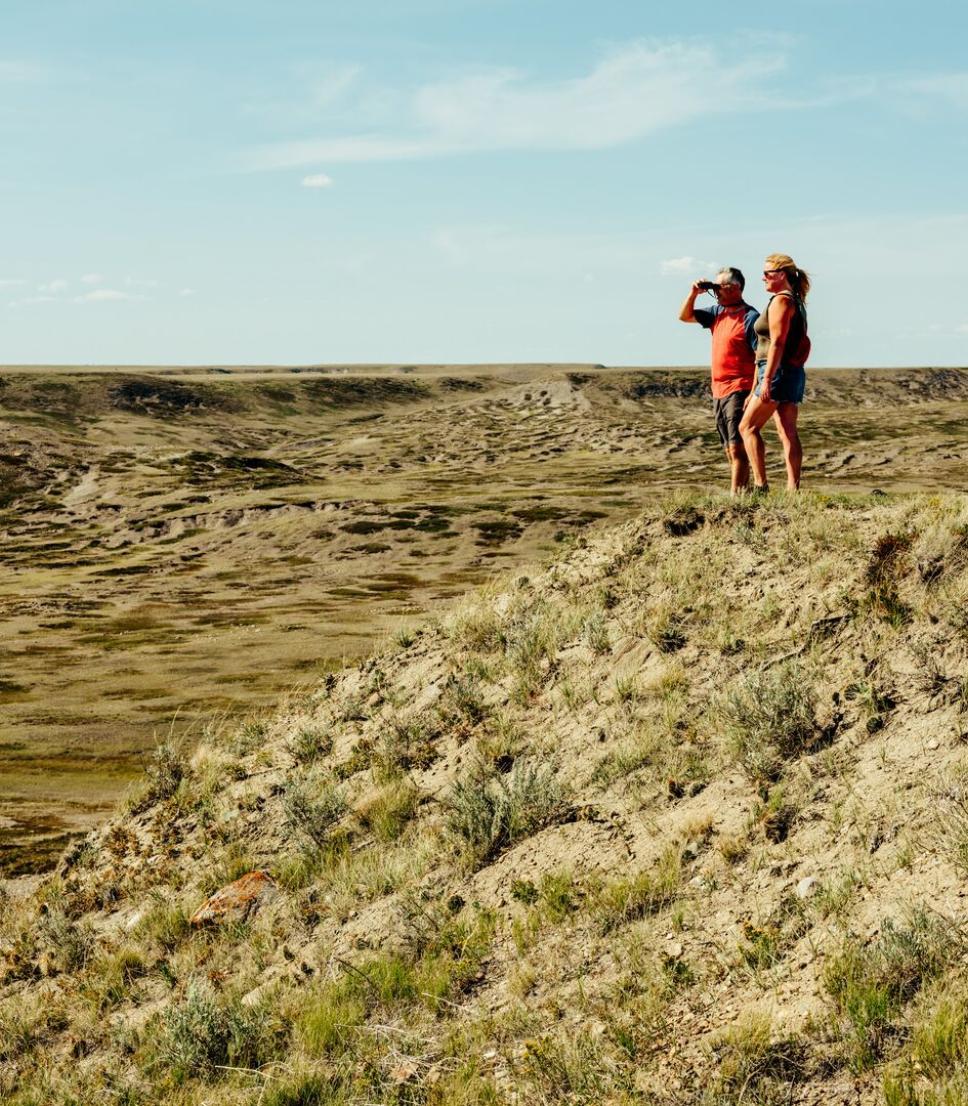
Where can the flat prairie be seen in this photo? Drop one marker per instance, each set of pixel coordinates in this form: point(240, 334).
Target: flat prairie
point(182, 545)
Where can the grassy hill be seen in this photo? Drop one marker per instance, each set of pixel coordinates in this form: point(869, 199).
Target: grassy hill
point(181, 542)
point(681, 817)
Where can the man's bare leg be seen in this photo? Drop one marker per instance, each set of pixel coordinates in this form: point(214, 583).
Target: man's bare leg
point(786, 425)
point(755, 417)
point(739, 468)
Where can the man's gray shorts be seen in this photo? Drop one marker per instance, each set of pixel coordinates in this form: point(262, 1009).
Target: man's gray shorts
point(729, 412)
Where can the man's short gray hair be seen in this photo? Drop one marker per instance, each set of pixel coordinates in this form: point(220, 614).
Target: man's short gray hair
point(734, 276)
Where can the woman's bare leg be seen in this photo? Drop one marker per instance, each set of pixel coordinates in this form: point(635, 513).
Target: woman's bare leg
point(755, 417)
point(786, 425)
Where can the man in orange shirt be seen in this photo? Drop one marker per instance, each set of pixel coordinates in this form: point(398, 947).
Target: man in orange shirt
point(733, 365)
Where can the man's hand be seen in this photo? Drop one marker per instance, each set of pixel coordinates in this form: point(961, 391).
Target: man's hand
point(686, 313)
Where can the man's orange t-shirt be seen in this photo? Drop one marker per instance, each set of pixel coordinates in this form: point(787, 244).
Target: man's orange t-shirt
point(733, 362)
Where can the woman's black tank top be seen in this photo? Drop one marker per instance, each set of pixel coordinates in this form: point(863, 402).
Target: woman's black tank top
point(796, 336)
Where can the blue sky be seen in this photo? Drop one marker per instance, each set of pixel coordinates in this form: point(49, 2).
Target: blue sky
point(477, 180)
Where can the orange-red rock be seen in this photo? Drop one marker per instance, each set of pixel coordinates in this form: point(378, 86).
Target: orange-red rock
point(236, 901)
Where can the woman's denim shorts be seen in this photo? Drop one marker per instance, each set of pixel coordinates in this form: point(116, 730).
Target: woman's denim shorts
point(787, 386)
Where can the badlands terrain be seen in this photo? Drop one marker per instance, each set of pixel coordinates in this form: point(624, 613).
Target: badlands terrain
point(180, 546)
point(678, 819)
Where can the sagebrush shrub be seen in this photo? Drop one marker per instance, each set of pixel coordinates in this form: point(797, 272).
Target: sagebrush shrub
point(309, 743)
point(203, 1033)
point(164, 772)
point(408, 743)
point(313, 813)
point(768, 718)
point(489, 811)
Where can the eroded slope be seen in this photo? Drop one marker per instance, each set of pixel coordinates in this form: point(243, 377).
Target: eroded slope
point(680, 819)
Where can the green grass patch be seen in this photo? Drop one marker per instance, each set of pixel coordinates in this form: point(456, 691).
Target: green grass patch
point(870, 983)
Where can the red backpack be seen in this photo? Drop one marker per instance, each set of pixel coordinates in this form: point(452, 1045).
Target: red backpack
point(802, 352)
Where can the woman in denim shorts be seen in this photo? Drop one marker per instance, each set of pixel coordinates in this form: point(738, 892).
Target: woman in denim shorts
point(781, 353)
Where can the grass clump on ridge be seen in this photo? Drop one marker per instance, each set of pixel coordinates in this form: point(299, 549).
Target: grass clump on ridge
point(753, 1067)
point(564, 1068)
point(768, 718)
point(302, 1090)
point(203, 1034)
point(444, 955)
point(870, 983)
point(532, 646)
point(70, 942)
point(940, 1044)
point(935, 1071)
point(313, 814)
point(164, 772)
point(952, 823)
point(390, 811)
point(480, 629)
point(310, 743)
point(24, 1027)
point(665, 628)
point(406, 743)
point(889, 561)
point(647, 892)
point(489, 811)
point(461, 702)
point(112, 977)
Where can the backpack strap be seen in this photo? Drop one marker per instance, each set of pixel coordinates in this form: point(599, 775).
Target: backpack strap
point(798, 304)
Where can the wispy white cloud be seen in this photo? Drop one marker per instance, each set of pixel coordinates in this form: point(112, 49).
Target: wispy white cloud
point(317, 180)
point(633, 91)
point(680, 265)
point(105, 295)
point(950, 87)
point(28, 301)
point(290, 155)
point(20, 72)
point(332, 90)
point(332, 84)
point(53, 291)
point(54, 287)
point(466, 245)
point(491, 249)
point(186, 292)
